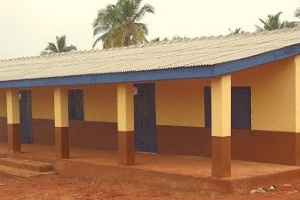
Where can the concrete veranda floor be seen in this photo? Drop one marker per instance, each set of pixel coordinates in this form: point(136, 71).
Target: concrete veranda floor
point(187, 166)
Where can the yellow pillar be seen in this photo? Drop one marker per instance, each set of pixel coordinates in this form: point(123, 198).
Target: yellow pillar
point(13, 121)
point(125, 124)
point(61, 122)
point(221, 126)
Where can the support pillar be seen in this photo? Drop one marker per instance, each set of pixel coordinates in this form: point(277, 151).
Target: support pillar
point(126, 124)
point(61, 122)
point(221, 126)
point(13, 121)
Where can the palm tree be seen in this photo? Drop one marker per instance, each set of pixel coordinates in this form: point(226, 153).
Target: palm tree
point(59, 47)
point(119, 25)
point(273, 22)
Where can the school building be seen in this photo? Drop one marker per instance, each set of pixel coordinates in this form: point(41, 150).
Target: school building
point(226, 98)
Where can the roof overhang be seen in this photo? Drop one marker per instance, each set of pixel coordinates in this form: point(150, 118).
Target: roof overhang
point(160, 75)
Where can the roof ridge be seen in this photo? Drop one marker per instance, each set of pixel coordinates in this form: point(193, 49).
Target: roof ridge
point(154, 44)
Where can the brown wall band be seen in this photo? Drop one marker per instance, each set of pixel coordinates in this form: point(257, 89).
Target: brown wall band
point(62, 142)
point(126, 147)
point(43, 132)
point(95, 135)
point(248, 145)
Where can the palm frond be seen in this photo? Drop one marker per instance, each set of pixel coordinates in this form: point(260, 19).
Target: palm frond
point(100, 29)
point(236, 31)
point(70, 48)
point(258, 28)
point(297, 12)
point(96, 41)
point(143, 27)
point(52, 48)
point(61, 43)
point(147, 8)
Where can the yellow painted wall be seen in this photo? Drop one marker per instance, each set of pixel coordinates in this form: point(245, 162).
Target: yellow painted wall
point(42, 103)
point(273, 95)
point(3, 103)
point(100, 103)
point(180, 103)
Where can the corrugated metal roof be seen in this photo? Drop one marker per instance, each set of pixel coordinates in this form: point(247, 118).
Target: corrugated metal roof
point(198, 52)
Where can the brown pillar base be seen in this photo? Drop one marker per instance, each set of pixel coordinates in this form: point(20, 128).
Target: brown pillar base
point(221, 157)
point(62, 142)
point(126, 147)
point(297, 149)
point(14, 138)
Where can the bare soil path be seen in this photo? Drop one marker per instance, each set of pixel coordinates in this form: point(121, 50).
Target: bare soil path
point(57, 188)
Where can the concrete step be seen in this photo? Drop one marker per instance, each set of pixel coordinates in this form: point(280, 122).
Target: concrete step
point(23, 172)
point(26, 164)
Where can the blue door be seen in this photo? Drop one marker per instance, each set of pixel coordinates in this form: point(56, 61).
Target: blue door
point(26, 117)
point(145, 118)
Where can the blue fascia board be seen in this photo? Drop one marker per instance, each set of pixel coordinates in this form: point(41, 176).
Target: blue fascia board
point(160, 75)
point(145, 76)
point(254, 61)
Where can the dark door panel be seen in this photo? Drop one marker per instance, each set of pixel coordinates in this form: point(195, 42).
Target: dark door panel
point(207, 103)
point(26, 117)
point(241, 107)
point(145, 118)
point(76, 107)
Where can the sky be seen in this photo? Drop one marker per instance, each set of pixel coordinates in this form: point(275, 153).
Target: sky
point(26, 26)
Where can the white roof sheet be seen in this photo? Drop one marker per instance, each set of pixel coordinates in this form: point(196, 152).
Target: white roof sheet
point(153, 56)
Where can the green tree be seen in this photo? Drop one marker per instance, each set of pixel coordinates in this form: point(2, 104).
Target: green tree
point(273, 22)
point(59, 47)
point(119, 25)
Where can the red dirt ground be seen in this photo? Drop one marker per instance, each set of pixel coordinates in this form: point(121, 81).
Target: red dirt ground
point(55, 187)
